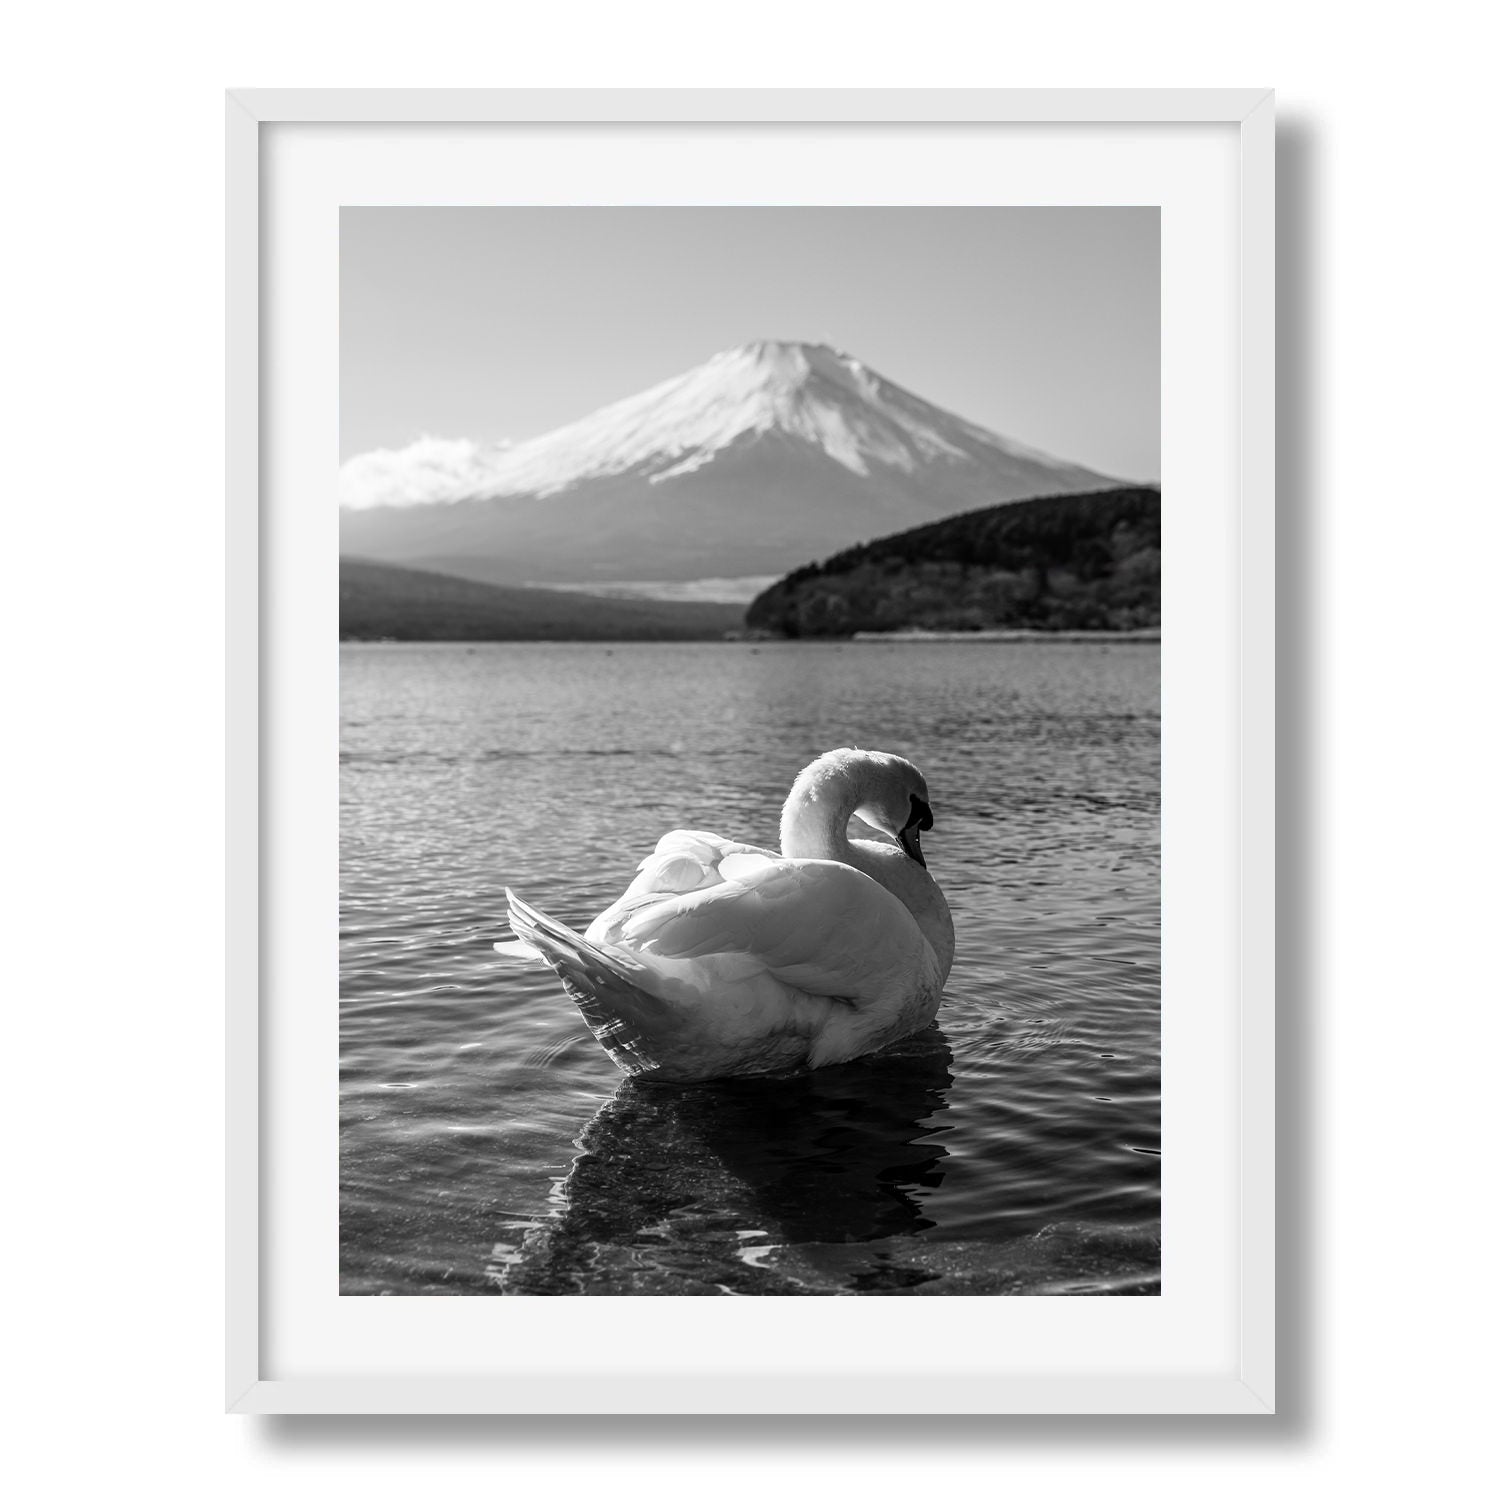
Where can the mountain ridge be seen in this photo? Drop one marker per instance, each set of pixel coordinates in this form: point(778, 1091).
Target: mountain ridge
point(381, 601)
point(748, 463)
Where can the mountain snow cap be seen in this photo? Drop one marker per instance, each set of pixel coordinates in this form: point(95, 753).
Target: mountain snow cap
point(810, 395)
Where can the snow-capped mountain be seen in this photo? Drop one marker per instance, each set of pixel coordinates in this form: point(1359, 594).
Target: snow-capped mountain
point(765, 457)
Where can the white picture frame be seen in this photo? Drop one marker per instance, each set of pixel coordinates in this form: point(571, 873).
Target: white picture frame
point(261, 1376)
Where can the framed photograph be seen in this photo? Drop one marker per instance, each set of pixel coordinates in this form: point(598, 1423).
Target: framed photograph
point(751, 646)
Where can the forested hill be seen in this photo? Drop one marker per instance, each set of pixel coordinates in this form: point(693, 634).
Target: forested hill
point(1063, 562)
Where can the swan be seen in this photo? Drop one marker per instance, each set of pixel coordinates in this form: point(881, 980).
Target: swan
point(723, 959)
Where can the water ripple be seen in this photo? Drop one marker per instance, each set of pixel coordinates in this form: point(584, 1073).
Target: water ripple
point(488, 1147)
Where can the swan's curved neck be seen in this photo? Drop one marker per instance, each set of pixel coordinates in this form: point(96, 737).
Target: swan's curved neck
point(815, 819)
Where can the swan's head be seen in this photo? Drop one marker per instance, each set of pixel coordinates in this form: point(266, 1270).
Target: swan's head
point(896, 801)
point(887, 792)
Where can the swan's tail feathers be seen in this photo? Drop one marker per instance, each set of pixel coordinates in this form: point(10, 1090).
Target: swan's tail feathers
point(522, 952)
point(629, 1023)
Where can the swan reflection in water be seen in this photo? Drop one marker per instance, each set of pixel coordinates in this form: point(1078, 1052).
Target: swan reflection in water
point(680, 1188)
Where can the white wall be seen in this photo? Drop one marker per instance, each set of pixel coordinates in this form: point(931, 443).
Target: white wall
point(1389, 515)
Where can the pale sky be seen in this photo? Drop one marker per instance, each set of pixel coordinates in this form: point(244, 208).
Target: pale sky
point(1043, 324)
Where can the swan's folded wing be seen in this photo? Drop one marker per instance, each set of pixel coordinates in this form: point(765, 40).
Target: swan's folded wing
point(685, 860)
point(823, 927)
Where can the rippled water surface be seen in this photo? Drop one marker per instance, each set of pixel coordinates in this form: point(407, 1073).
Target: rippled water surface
point(489, 1146)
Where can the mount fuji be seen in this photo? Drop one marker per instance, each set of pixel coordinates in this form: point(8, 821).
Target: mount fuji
point(765, 457)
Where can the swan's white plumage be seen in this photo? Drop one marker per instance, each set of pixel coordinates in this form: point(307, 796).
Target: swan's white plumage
point(783, 912)
point(723, 958)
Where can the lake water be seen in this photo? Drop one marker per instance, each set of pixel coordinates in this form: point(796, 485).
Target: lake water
point(489, 1147)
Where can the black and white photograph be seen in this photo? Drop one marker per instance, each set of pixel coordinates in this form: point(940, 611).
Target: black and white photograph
point(750, 751)
point(604, 711)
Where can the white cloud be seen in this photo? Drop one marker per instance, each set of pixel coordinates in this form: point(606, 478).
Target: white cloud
point(429, 470)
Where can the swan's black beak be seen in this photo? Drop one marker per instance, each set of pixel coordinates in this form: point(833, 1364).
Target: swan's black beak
point(920, 820)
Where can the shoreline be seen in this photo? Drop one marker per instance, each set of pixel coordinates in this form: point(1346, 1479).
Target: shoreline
point(919, 637)
point(1149, 637)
